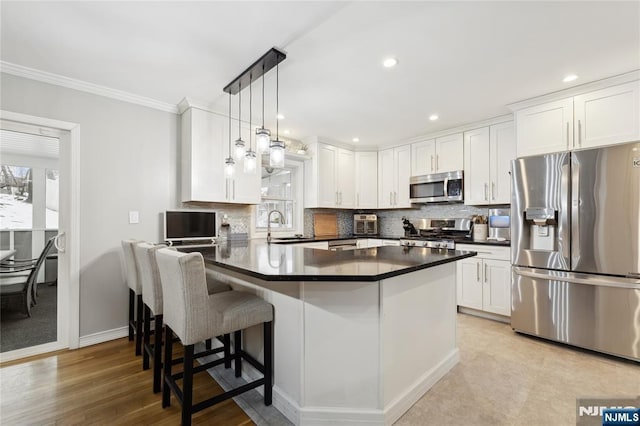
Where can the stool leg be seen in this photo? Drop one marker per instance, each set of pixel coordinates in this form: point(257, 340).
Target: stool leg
point(187, 385)
point(157, 354)
point(268, 362)
point(227, 350)
point(207, 344)
point(168, 348)
point(146, 337)
point(132, 309)
point(139, 325)
point(237, 352)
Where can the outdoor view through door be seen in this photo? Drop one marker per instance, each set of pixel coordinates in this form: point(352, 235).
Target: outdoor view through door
point(29, 197)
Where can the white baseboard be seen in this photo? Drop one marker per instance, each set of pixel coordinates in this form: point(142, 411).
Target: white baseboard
point(396, 408)
point(483, 314)
point(104, 336)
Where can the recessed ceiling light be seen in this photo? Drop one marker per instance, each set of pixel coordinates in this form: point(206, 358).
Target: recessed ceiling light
point(569, 78)
point(433, 117)
point(280, 117)
point(390, 62)
point(286, 132)
point(355, 140)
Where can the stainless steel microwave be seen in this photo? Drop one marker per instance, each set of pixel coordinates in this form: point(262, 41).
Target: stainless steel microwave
point(437, 188)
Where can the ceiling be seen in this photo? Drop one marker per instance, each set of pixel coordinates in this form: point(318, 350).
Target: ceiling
point(461, 60)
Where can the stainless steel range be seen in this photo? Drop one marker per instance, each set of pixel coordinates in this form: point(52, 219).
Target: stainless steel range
point(435, 233)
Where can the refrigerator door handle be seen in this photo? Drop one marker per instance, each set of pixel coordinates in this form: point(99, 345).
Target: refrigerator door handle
point(564, 239)
point(597, 280)
point(575, 213)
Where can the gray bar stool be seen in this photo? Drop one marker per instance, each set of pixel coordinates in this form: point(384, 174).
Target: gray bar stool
point(194, 315)
point(149, 275)
point(135, 293)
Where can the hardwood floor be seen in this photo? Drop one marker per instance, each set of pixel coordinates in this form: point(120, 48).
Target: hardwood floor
point(100, 384)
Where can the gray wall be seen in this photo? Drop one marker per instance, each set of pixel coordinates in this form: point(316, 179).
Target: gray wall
point(128, 158)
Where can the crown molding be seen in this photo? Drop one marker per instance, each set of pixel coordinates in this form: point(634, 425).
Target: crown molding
point(83, 86)
point(577, 90)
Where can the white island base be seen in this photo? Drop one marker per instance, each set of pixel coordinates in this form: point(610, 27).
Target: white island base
point(355, 352)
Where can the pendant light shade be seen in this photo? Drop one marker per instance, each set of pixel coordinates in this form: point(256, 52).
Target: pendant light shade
point(263, 139)
point(240, 149)
point(276, 154)
point(229, 164)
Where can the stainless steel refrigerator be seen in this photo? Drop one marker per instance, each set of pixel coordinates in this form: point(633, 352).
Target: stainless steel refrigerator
point(576, 248)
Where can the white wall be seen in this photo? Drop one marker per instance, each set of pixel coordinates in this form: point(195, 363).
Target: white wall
point(129, 161)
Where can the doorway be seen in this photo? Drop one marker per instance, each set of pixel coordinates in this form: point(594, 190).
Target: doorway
point(38, 202)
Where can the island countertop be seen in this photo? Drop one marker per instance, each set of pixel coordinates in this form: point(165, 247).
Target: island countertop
point(286, 262)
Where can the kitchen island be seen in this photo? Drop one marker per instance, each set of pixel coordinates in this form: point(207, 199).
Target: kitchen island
point(359, 335)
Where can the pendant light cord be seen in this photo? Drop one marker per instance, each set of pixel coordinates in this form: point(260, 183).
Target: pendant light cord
point(263, 94)
point(277, 100)
point(229, 123)
point(239, 109)
point(250, 108)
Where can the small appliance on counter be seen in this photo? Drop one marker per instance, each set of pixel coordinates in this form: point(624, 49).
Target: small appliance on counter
point(499, 224)
point(365, 224)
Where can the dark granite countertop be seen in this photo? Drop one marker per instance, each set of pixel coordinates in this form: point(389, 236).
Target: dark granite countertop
point(287, 262)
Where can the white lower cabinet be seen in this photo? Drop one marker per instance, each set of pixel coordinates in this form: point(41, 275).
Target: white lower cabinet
point(376, 242)
point(390, 243)
point(324, 245)
point(484, 281)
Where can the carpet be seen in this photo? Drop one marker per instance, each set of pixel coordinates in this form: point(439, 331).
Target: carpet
point(18, 331)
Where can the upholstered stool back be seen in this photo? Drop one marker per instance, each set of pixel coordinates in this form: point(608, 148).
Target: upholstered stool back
point(131, 269)
point(149, 275)
point(185, 296)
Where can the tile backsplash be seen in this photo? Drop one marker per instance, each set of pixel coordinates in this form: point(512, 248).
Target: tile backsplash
point(390, 221)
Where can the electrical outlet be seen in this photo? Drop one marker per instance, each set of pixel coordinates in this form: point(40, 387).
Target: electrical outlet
point(134, 217)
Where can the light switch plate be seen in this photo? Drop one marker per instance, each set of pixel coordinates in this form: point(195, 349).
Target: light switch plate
point(133, 217)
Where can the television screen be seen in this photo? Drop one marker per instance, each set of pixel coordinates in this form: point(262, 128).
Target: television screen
point(189, 225)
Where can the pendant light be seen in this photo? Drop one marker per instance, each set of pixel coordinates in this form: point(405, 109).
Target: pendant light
point(240, 148)
point(229, 164)
point(250, 158)
point(263, 136)
point(276, 148)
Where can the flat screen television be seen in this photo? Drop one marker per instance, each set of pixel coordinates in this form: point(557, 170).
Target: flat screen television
point(189, 225)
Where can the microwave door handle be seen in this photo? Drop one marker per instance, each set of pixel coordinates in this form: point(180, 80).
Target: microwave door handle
point(446, 187)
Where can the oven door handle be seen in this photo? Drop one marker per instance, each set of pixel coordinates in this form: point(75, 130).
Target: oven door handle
point(446, 187)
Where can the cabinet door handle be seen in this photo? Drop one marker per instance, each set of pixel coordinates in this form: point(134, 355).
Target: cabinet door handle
point(395, 198)
point(477, 271)
point(486, 188)
point(340, 197)
point(493, 190)
point(437, 168)
point(358, 199)
point(568, 134)
point(233, 182)
point(485, 273)
point(390, 198)
point(579, 133)
point(432, 162)
point(226, 190)
point(336, 198)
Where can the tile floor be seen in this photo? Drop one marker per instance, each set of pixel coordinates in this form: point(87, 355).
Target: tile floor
point(505, 378)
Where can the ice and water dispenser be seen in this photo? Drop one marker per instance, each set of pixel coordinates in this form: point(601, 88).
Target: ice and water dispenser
point(542, 224)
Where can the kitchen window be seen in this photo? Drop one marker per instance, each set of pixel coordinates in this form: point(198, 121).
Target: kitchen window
point(281, 189)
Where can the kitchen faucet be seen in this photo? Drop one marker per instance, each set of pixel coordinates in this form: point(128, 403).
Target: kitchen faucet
point(282, 221)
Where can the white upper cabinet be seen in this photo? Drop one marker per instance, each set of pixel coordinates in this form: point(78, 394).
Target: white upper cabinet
point(449, 153)
point(602, 117)
point(607, 116)
point(330, 177)
point(488, 152)
point(393, 177)
point(545, 128)
point(444, 154)
point(204, 147)
point(477, 171)
point(366, 180)
point(423, 158)
point(502, 150)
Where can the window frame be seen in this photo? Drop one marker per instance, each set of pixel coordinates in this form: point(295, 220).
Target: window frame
point(297, 182)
